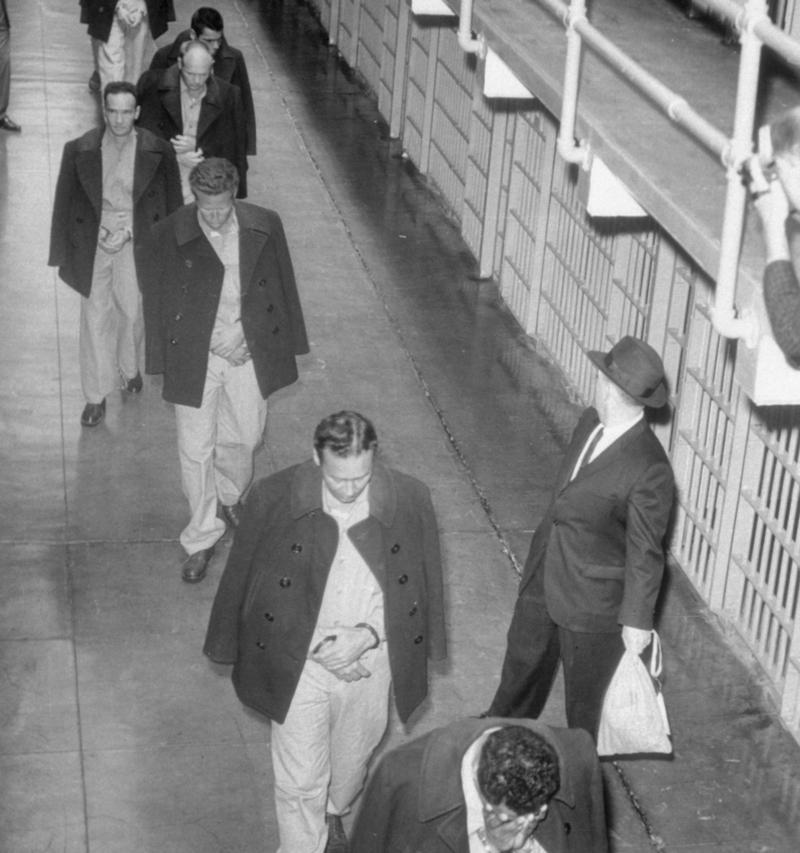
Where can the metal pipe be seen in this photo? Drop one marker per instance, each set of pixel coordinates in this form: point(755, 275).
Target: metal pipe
point(568, 148)
point(723, 311)
point(464, 32)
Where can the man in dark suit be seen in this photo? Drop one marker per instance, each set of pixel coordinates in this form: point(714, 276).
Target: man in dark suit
point(589, 586)
point(493, 784)
point(119, 30)
point(229, 65)
point(332, 594)
point(114, 183)
point(199, 114)
point(224, 325)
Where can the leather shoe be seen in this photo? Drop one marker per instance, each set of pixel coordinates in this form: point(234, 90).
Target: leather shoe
point(11, 126)
point(135, 385)
point(337, 840)
point(233, 513)
point(94, 82)
point(93, 413)
point(194, 569)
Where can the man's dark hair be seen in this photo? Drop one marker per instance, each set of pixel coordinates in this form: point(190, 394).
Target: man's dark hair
point(119, 87)
point(785, 133)
point(518, 769)
point(206, 18)
point(345, 434)
point(214, 176)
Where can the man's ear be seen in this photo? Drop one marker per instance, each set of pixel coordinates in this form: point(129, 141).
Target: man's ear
point(317, 460)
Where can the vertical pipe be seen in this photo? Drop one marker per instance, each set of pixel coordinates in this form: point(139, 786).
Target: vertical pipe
point(400, 70)
point(333, 27)
point(723, 313)
point(491, 209)
point(567, 148)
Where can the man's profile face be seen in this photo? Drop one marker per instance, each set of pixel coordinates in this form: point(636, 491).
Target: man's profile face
point(215, 210)
point(195, 69)
point(212, 39)
point(120, 112)
point(345, 477)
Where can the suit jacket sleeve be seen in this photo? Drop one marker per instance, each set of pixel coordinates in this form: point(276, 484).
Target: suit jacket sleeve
point(66, 186)
point(290, 294)
point(240, 133)
point(242, 80)
point(782, 298)
point(374, 827)
point(160, 60)
point(649, 505)
point(153, 261)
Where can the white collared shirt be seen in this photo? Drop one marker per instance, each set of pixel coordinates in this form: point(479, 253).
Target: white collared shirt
point(610, 435)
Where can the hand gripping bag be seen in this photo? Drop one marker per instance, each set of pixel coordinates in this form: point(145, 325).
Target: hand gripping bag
point(634, 718)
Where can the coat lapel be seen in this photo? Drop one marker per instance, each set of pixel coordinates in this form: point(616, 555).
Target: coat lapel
point(584, 429)
point(613, 455)
point(144, 167)
point(170, 92)
point(89, 166)
point(210, 108)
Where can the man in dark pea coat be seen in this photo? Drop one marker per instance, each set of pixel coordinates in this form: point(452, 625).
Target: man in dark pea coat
point(229, 65)
point(332, 593)
point(224, 326)
point(199, 114)
point(115, 182)
point(516, 785)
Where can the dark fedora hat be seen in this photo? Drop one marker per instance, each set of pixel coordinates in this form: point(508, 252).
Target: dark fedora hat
point(637, 368)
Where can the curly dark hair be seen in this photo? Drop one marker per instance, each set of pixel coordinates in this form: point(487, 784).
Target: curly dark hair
point(345, 434)
point(518, 769)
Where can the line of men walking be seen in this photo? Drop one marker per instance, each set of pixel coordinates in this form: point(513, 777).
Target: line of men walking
point(333, 592)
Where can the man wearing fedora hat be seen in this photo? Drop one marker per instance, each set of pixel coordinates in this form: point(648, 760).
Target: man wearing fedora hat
point(589, 586)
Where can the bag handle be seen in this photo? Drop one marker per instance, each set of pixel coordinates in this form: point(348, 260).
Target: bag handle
point(656, 659)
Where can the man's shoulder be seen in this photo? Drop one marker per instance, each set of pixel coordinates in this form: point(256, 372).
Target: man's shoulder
point(277, 487)
point(251, 216)
point(148, 141)
point(89, 141)
point(407, 485)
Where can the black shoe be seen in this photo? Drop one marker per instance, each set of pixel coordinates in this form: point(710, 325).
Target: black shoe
point(93, 414)
point(11, 126)
point(194, 569)
point(94, 82)
point(233, 513)
point(337, 840)
point(135, 385)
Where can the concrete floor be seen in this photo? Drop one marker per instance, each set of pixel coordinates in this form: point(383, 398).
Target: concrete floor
point(116, 734)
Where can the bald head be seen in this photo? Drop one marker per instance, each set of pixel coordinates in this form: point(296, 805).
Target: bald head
point(195, 65)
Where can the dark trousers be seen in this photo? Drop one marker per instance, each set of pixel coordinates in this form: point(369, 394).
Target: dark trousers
point(535, 646)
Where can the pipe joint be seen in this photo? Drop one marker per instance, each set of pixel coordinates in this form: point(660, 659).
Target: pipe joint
point(752, 13)
point(572, 17)
point(575, 152)
point(468, 44)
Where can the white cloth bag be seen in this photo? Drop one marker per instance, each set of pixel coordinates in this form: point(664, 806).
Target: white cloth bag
point(634, 718)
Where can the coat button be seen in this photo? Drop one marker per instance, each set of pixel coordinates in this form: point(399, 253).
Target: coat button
point(555, 524)
point(156, 217)
point(269, 617)
point(270, 308)
point(285, 582)
point(297, 548)
point(262, 646)
point(402, 579)
point(275, 330)
point(567, 828)
point(417, 639)
point(188, 262)
point(413, 611)
point(262, 283)
point(179, 316)
point(395, 548)
point(173, 341)
point(152, 193)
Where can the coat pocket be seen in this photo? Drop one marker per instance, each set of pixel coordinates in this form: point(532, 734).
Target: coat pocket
point(603, 571)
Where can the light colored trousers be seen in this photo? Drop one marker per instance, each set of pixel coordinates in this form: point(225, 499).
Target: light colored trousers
point(112, 326)
point(321, 751)
point(122, 56)
point(216, 444)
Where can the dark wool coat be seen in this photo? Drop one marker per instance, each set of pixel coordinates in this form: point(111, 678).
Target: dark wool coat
point(99, 15)
point(268, 600)
point(600, 543)
point(229, 65)
point(182, 285)
point(221, 130)
point(79, 198)
point(414, 802)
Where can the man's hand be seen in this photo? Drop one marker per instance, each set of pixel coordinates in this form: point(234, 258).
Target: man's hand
point(773, 209)
point(228, 342)
point(507, 832)
point(636, 640)
point(350, 643)
point(355, 672)
point(112, 241)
